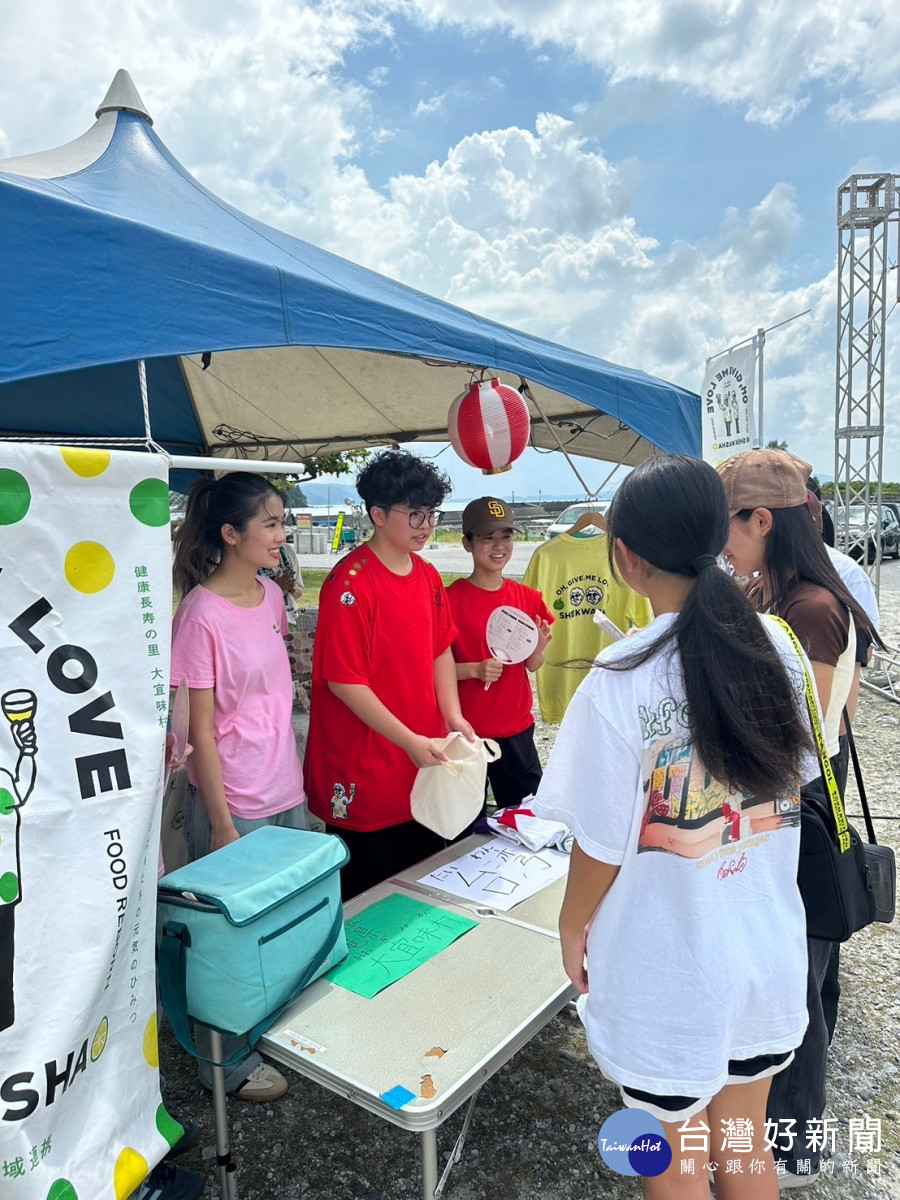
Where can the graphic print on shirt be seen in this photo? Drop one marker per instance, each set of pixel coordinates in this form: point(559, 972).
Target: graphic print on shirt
point(341, 801)
point(688, 812)
point(580, 596)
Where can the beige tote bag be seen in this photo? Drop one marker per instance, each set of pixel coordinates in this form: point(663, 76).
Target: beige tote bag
point(448, 797)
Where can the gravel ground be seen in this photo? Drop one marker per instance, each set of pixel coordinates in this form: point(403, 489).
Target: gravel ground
point(534, 1132)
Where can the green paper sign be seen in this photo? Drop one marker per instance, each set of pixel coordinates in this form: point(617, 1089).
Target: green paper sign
point(390, 939)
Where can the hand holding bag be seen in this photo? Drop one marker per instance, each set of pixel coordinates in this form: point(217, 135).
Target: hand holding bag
point(448, 797)
point(832, 872)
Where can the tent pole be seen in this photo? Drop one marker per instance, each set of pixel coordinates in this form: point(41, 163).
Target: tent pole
point(257, 466)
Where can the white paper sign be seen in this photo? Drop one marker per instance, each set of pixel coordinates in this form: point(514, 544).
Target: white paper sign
point(499, 875)
point(85, 620)
point(729, 418)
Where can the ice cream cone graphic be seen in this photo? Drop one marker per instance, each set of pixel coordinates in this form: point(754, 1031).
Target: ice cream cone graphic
point(20, 705)
point(19, 708)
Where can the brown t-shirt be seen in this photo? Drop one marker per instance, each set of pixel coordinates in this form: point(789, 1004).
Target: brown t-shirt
point(820, 622)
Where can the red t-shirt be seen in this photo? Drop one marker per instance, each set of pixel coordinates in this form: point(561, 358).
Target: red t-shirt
point(385, 631)
point(505, 709)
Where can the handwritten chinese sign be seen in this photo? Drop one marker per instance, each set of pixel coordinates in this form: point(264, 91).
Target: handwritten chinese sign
point(390, 938)
point(498, 874)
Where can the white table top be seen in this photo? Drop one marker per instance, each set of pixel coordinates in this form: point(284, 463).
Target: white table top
point(541, 910)
point(480, 1000)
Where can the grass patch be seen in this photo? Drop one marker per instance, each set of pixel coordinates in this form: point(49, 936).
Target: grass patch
point(313, 580)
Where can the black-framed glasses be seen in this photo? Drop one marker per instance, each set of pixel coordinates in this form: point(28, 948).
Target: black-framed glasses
point(417, 517)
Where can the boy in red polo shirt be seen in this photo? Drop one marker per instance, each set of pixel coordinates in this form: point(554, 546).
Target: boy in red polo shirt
point(504, 712)
point(384, 681)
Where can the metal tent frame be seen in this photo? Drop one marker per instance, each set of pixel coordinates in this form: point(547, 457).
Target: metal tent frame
point(868, 218)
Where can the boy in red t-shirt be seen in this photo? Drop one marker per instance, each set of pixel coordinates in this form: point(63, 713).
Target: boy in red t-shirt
point(384, 681)
point(503, 712)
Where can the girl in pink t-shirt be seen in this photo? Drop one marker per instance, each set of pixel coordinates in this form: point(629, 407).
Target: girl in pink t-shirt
point(228, 643)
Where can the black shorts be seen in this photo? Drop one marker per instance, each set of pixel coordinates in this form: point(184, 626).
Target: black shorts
point(680, 1108)
point(517, 772)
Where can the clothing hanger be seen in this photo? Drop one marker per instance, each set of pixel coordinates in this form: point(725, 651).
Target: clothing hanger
point(589, 518)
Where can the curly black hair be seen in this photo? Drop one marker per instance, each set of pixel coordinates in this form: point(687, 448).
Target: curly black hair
point(396, 477)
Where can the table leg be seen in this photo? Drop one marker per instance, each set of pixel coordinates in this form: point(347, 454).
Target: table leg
point(456, 1152)
point(226, 1167)
point(428, 1145)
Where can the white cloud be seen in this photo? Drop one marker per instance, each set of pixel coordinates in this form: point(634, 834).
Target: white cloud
point(531, 226)
point(237, 96)
point(378, 76)
point(434, 104)
point(883, 107)
point(764, 55)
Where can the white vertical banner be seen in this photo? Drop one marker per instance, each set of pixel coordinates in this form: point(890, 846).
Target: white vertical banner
point(729, 418)
point(85, 621)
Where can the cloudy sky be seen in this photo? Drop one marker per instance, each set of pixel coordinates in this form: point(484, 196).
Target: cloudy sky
point(648, 183)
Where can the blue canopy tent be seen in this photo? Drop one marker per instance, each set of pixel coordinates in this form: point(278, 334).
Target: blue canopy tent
point(257, 344)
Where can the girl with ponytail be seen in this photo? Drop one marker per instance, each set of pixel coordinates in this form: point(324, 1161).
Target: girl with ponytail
point(678, 768)
point(228, 643)
point(773, 539)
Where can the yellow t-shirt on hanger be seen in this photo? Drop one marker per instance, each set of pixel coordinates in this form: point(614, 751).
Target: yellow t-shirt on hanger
point(573, 576)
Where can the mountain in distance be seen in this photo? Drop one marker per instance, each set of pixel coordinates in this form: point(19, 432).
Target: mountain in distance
point(317, 495)
point(336, 493)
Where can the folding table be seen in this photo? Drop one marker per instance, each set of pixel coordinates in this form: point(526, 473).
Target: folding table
point(479, 1001)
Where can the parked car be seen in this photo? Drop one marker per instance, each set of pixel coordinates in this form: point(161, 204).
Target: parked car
point(570, 515)
point(888, 538)
point(894, 506)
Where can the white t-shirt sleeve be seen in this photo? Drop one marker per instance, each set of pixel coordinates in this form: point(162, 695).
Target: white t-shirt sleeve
point(591, 782)
point(857, 582)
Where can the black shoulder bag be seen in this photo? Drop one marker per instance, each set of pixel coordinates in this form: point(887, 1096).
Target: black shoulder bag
point(833, 870)
point(879, 859)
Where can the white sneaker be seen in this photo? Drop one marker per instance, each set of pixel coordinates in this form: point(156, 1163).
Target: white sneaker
point(788, 1180)
point(263, 1083)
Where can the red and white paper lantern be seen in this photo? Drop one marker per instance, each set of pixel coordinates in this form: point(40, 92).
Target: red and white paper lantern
point(488, 425)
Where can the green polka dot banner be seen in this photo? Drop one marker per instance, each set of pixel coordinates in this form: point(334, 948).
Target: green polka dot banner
point(15, 497)
point(85, 627)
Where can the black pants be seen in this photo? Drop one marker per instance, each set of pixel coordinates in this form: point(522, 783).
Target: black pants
point(378, 855)
point(517, 772)
point(798, 1092)
point(7, 958)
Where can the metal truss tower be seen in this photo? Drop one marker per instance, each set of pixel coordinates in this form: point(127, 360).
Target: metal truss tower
point(868, 213)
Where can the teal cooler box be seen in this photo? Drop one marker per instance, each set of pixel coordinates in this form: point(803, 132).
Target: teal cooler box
point(242, 931)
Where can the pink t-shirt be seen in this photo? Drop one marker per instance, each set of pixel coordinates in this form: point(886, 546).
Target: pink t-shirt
point(240, 652)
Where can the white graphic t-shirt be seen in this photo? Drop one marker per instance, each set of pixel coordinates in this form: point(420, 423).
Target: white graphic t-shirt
point(697, 954)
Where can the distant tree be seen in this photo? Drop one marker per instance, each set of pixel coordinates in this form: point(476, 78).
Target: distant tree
point(776, 445)
point(888, 490)
point(296, 497)
point(293, 494)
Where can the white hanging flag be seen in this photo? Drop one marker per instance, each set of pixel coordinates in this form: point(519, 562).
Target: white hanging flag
point(729, 418)
point(85, 620)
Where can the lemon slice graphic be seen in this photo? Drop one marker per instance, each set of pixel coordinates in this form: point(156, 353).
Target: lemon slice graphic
point(99, 1042)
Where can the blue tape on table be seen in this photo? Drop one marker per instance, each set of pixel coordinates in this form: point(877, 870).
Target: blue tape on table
point(398, 1096)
